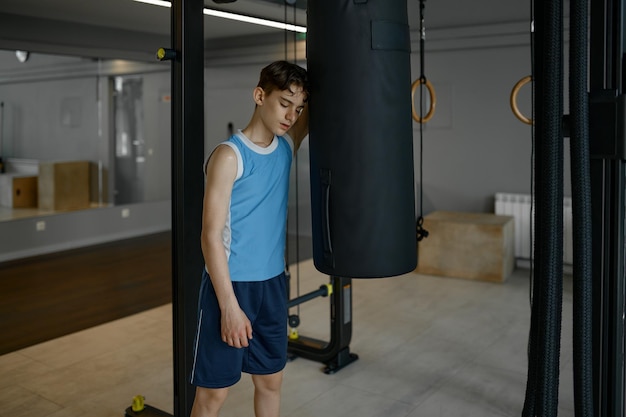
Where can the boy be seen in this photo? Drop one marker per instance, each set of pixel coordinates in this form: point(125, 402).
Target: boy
point(242, 309)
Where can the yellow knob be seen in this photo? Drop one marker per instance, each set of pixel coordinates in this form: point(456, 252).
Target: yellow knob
point(138, 403)
point(329, 288)
point(293, 334)
point(165, 54)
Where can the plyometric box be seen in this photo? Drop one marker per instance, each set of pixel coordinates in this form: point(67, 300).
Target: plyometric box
point(468, 245)
point(18, 191)
point(63, 185)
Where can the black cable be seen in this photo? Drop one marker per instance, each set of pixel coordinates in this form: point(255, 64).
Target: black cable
point(531, 387)
point(551, 226)
point(532, 147)
point(295, 61)
point(287, 232)
point(582, 218)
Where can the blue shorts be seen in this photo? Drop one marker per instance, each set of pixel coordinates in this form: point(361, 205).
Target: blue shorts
point(217, 365)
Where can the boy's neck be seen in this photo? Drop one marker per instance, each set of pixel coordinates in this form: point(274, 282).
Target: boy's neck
point(258, 134)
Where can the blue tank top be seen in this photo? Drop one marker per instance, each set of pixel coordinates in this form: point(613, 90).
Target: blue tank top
point(256, 225)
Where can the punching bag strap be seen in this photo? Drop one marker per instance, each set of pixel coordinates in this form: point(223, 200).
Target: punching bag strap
point(326, 238)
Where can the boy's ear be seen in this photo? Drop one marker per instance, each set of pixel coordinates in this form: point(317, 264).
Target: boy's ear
point(258, 95)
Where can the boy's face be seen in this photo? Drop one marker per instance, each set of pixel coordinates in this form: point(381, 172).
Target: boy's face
point(280, 108)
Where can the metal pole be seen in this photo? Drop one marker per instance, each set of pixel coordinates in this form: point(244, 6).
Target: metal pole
point(1, 126)
point(2, 167)
point(187, 188)
point(608, 159)
point(323, 291)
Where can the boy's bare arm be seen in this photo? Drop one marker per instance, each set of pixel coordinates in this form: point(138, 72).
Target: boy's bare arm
point(300, 129)
point(221, 172)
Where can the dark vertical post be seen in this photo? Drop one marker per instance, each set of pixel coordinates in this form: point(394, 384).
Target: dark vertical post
point(607, 133)
point(187, 187)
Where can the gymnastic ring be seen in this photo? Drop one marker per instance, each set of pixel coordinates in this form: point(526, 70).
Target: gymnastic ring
point(514, 93)
point(433, 100)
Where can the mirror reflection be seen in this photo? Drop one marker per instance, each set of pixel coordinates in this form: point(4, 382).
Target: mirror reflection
point(81, 133)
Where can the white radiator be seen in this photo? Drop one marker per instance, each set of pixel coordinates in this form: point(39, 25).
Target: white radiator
point(519, 206)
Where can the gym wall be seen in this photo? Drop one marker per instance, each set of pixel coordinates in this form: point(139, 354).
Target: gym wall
point(473, 145)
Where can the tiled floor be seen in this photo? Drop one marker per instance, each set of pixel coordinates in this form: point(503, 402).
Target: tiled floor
point(428, 347)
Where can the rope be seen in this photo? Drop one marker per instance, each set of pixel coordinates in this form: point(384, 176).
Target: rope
point(542, 386)
point(581, 191)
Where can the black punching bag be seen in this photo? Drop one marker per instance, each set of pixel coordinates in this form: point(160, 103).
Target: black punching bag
point(361, 141)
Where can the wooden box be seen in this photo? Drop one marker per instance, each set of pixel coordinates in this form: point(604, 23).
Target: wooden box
point(468, 245)
point(18, 191)
point(63, 185)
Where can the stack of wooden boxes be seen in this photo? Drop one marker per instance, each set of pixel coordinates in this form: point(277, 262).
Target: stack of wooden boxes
point(18, 190)
point(468, 245)
point(63, 185)
point(50, 186)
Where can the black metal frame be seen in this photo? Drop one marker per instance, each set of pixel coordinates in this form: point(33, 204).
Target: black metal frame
point(187, 188)
point(608, 170)
point(335, 354)
point(187, 56)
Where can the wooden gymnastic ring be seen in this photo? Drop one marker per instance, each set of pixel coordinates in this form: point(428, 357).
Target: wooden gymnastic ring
point(514, 93)
point(433, 101)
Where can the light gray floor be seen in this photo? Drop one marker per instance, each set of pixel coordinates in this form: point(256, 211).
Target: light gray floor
point(428, 347)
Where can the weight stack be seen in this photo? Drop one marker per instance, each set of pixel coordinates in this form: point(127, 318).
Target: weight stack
point(361, 139)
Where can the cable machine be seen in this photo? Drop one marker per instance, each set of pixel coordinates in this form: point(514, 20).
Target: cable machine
point(608, 169)
point(597, 129)
point(599, 270)
point(335, 353)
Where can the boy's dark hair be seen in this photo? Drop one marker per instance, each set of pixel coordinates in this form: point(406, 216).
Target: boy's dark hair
point(281, 75)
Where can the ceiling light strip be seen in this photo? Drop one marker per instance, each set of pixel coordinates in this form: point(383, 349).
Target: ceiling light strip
point(234, 16)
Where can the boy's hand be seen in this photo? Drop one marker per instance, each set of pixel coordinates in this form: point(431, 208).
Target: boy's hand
point(236, 327)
